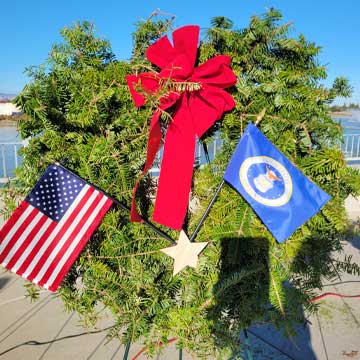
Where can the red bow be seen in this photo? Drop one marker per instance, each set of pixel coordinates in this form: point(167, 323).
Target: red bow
point(200, 101)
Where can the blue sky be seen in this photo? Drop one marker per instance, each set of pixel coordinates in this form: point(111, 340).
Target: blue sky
point(29, 28)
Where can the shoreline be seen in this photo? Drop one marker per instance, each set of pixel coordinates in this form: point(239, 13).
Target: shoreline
point(340, 114)
point(8, 123)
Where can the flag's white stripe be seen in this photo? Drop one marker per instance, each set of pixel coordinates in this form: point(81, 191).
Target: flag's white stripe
point(22, 237)
point(15, 227)
point(31, 245)
point(65, 237)
point(75, 242)
point(55, 231)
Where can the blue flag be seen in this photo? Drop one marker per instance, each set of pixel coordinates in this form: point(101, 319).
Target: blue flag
point(279, 193)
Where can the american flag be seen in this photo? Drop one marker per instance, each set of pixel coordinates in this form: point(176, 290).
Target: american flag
point(46, 233)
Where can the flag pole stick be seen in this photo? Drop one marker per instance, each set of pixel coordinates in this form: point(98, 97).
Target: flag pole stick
point(127, 349)
point(248, 351)
point(124, 207)
point(207, 211)
point(146, 222)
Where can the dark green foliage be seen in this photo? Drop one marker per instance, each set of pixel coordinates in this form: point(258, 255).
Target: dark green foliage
point(79, 112)
point(341, 87)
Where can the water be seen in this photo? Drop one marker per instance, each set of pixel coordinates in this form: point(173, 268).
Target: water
point(8, 134)
point(351, 145)
point(351, 123)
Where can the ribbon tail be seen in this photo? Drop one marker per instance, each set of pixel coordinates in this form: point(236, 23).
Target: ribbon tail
point(176, 170)
point(134, 214)
point(153, 146)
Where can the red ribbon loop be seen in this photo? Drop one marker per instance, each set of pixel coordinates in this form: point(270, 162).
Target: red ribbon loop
point(200, 99)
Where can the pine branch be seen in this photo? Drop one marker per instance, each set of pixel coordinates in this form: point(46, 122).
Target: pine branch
point(123, 256)
point(278, 294)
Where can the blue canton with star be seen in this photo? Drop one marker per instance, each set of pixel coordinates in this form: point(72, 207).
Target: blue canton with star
point(54, 193)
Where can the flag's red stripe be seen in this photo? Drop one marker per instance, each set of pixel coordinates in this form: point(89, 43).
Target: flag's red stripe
point(93, 226)
point(36, 249)
point(13, 219)
point(18, 234)
point(59, 235)
point(76, 230)
point(26, 242)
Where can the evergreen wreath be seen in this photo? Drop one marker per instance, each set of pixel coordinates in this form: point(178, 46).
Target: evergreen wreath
point(78, 111)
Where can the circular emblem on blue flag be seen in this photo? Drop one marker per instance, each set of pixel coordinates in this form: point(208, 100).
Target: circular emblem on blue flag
point(266, 180)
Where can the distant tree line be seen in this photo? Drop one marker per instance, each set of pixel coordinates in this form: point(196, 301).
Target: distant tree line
point(351, 106)
point(14, 117)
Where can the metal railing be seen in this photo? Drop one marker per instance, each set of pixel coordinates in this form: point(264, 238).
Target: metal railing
point(351, 147)
point(201, 156)
point(9, 159)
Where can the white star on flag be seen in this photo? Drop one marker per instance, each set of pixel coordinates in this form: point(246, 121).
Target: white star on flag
point(185, 253)
point(47, 232)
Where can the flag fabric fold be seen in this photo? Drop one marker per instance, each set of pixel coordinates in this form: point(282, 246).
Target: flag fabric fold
point(46, 233)
point(278, 192)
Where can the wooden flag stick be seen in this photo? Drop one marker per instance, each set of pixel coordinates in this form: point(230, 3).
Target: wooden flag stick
point(127, 350)
point(146, 222)
point(150, 224)
point(126, 208)
point(207, 211)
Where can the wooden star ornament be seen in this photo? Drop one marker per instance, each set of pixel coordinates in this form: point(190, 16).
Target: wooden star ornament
point(185, 253)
